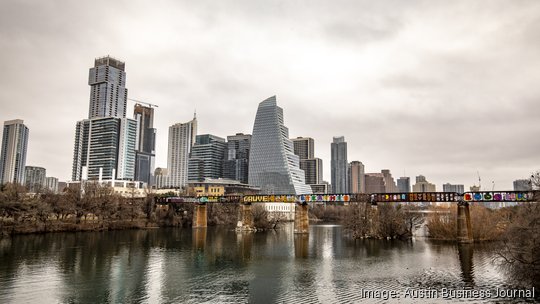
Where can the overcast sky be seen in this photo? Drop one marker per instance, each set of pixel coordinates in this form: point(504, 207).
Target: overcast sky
point(439, 88)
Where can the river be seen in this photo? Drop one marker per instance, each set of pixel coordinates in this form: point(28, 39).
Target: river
point(218, 265)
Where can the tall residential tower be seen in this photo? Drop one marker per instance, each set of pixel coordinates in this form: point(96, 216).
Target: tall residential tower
point(105, 142)
point(13, 155)
point(181, 140)
point(339, 165)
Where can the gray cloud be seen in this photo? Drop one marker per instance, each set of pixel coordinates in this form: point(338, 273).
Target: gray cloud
point(443, 90)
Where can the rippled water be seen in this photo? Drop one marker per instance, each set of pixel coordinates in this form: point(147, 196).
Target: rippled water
point(217, 265)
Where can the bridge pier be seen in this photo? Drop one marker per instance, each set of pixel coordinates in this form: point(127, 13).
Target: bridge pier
point(464, 227)
point(301, 218)
point(245, 218)
point(200, 216)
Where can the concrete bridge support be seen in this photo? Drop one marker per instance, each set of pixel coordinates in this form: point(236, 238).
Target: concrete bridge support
point(301, 218)
point(200, 216)
point(464, 227)
point(245, 218)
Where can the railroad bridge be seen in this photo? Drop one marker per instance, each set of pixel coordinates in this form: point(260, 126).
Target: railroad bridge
point(302, 203)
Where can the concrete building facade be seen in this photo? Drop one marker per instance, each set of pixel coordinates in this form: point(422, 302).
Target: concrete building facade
point(357, 177)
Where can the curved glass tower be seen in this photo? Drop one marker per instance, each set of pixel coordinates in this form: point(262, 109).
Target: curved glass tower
point(273, 166)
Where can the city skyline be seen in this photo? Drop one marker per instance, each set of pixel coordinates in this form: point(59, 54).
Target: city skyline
point(409, 89)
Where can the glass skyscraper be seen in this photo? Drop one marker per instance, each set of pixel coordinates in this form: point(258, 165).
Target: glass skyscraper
point(108, 93)
point(13, 155)
point(146, 144)
point(181, 140)
point(339, 164)
point(206, 158)
point(236, 163)
point(273, 166)
point(105, 143)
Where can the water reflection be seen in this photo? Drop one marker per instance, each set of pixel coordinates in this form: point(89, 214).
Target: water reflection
point(220, 265)
point(301, 245)
point(466, 262)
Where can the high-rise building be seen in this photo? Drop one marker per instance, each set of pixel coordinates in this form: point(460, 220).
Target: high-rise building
point(206, 158)
point(453, 188)
point(181, 140)
point(145, 153)
point(13, 155)
point(51, 183)
point(236, 163)
point(312, 170)
point(34, 179)
point(522, 185)
point(404, 184)
point(339, 165)
point(304, 147)
point(104, 149)
point(108, 93)
point(273, 166)
point(105, 142)
point(422, 185)
point(375, 183)
point(390, 184)
point(357, 177)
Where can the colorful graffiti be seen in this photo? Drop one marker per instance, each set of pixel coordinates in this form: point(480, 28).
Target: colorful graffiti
point(415, 197)
point(507, 196)
point(308, 198)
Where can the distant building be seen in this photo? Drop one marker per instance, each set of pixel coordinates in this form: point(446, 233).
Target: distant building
point(522, 185)
point(339, 164)
point(220, 187)
point(453, 188)
point(13, 155)
point(62, 186)
point(322, 188)
point(206, 158)
point(357, 178)
point(181, 141)
point(474, 188)
point(312, 169)
point(236, 163)
point(145, 153)
point(422, 185)
point(273, 166)
point(389, 183)
point(375, 183)
point(304, 147)
point(35, 179)
point(51, 183)
point(162, 179)
point(404, 184)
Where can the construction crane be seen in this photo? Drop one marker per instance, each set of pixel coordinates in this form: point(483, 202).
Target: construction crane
point(146, 103)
